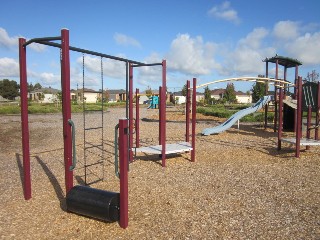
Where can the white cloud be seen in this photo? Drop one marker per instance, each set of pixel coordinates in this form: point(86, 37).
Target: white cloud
point(9, 68)
point(12, 42)
point(37, 47)
point(111, 69)
point(49, 78)
point(247, 57)
point(125, 40)
point(305, 48)
point(192, 55)
point(286, 30)
point(150, 75)
point(6, 41)
point(225, 12)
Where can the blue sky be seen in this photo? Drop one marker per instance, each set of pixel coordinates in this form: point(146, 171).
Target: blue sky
point(206, 39)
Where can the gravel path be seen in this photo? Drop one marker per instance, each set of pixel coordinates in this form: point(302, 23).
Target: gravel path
point(240, 187)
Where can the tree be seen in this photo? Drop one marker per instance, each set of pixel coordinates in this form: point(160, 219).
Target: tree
point(184, 90)
point(207, 95)
point(9, 89)
point(37, 86)
point(148, 91)
point(258, 91)
point(230, 94)
point(313, 76)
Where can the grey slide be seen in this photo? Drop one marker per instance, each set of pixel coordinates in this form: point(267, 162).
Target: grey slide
point(235, 117)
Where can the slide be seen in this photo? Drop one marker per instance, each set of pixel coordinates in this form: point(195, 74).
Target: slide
point(237, 116)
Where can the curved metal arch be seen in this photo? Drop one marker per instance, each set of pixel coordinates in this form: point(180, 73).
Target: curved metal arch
point(247, 79)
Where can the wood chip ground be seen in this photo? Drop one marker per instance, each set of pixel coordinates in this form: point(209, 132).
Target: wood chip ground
point(240, 186)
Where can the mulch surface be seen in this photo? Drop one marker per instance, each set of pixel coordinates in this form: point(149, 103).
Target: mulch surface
point(240, 186)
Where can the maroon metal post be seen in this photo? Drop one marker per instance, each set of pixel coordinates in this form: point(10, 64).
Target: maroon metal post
point(316, 131)
point(188, 99)
point(280, 117)
point(194, 116)
point(24, 120)
point(130, 112)
point(163, 111)
point(163, 127)
point(137, 119)
point(299, 116)
point(276, 99)
point(160, 116)
point(308, 133)
point(266, 93)
point(66, 107)
point(296, 75)
point(123, 159)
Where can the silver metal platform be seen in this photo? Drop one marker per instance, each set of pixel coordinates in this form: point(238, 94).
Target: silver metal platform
point(303, 141)
point(170, 148)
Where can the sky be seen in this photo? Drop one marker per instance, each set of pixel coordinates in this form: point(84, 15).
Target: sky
point(206, 39)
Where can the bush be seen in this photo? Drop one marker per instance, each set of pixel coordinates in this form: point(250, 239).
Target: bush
point(226, 111)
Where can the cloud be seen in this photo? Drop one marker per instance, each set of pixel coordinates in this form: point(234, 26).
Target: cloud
point(111, 69)
point(191, 55)
point(13, 42)
point(9, 68)
point(286, 30)
point(49, 78)
point(6, 41)
point(225, 12)
point(150, 75)
point(246, 57)
point(305, 48)
point(125, 40)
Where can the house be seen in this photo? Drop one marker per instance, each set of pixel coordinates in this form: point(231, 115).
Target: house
point(117, 95)
point(178, 98)
point(240, 96)
point(218, 93)
point(243, 97)
point(44, 95)
point(85, 94)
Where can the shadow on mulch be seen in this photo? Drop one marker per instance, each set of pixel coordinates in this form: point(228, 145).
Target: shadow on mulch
point(53, 180)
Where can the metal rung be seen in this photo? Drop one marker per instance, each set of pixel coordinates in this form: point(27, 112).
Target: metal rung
point(92, 110)
point(93, 128)
point(99, 146)
point(93, 164)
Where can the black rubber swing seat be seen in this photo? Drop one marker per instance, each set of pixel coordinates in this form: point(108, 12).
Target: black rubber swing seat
point(94, 203)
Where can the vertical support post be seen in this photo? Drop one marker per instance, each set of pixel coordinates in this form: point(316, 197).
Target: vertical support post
point(308, 134)
point(163, 94)
point(123, 158)
point(24, 119)
point(316, 131)
point(194, 116)
point(299, 116)
point(66, 107)
point(295, 95)
point(284, 79)
point(280, 115)
point(137, 119)
point(266, 93)
point(130, 112)
point(275, 100)
point(188, 99)
point(160, 116)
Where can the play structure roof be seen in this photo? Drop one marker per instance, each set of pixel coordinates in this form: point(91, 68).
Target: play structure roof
point(283, 61)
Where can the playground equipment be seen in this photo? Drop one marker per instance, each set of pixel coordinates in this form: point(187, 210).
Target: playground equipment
point(83, 200)
point(237, 116)
point(153, 102)
point(80, 200)
point(305, 98)
point(164, 148)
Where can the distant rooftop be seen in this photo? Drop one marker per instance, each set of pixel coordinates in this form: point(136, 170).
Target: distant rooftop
point(284, 61)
